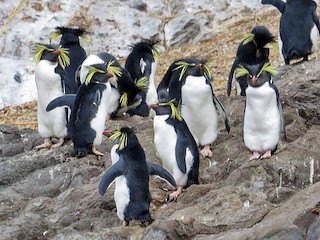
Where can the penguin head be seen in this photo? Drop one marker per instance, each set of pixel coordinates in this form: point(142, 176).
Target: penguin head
point(257, 74)
point(193, 67)
point(52, 53)
point(69, 35)
point(167, 108)
point(148, 47)
point(260, 37)
point(125, 137)
point(98, 73)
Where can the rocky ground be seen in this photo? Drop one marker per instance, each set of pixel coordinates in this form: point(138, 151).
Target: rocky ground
point(49, 194)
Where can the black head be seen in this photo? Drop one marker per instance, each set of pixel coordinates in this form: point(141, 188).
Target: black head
point(125, 137)
point(52, 53)
point(193, 67)
point(98, 73)
point(69, 35)
point(262, 36)
point(167, 108)
point(257, 74)
point(148, 46)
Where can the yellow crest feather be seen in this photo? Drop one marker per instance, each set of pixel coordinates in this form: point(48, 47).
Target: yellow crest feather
point(85, 38)
point(175, 113)
point(249, 37)
point(205, 67)
point(55, 35)
point(38, 49)
point(183, 66)
point(142, 83)
point(268, 68)
point(63, 58)
point(124, 99)
point(92, 71)
point(241, 71)
point(122, 137)
point(116, 70)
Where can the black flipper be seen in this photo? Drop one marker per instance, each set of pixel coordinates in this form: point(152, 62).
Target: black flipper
point(222, 112)
point(229, 85)
point(316, 19)
point(66, 100)
point(108, 177)
point(276, 3)
point(181, 146)
point(155, 169)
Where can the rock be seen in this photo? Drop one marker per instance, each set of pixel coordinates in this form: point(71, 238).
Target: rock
point(51, 194)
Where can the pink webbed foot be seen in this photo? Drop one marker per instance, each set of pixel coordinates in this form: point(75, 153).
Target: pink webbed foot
point(47, 143)
point(267, 154)
point(174, 195)
point(58, 144)
point(96, 152)
point(206, 151)
point(255, 156)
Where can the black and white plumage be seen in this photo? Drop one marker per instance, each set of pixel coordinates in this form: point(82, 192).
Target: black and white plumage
point(263, 119)
point(175, 146)
point(125, 87)
point(188, 81)
point(89, 109)
point(252, 50)
point(70, 39)
point(50, 80)
point(141, 63)
point(130, 171)
point(299, 28)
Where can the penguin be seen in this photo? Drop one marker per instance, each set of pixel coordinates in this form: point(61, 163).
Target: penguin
point(189, 82)
point(252, 50)
point(70, 39)
point(263, 121)
point(141, 62)
point(90, 109)
point(299, 28)
point(50, 81)
point(175, 146)
point(130, 171)
point(129, 90)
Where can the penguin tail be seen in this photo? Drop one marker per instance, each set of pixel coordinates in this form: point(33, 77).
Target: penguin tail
point(296, 53)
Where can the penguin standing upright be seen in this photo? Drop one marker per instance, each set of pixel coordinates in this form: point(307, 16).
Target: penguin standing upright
point(50, 81)
point(141, 62)
point(299, 28)
point(90, 109)
point(70, 39)
point(131, 171)
point(176, 146)
point(252, 50)
point(263, 119)
point(188, 81)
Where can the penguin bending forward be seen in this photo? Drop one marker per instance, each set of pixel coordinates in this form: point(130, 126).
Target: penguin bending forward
point(263, 119)
point(131, 171)
point(176, 146)
point(70, 39)
point(50, 80)
point(299, 28)
point(252, 50)
point(141, 63)
point(189, 82)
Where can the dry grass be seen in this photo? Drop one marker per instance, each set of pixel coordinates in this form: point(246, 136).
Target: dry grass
point(220, 51)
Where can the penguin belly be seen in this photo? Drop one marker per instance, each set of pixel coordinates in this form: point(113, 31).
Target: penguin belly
point(98, 122)
point(165, 139)
point(314, 36)
point(262, 121)
point(121, 196)
point(49, 86)
point(198, 110)
point(152, 96)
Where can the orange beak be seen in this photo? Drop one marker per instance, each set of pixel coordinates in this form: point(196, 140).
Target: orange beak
point(153, 106)
point(254, 79)
point(110, 74)
point(258, 52)
point(107, 133)
point(57, 51)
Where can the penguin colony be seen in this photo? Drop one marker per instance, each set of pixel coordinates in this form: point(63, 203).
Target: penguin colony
point(78, 94)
